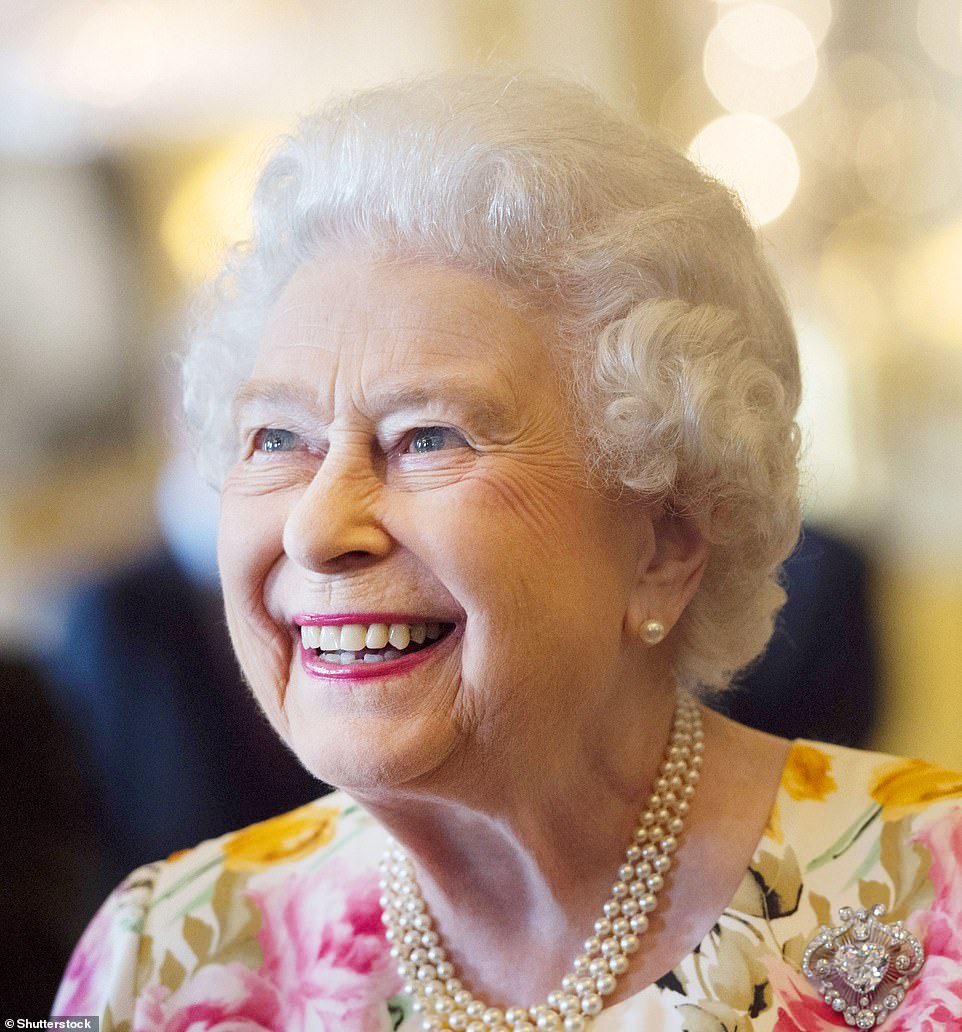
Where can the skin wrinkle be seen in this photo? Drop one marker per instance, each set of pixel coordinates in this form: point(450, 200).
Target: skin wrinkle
point(513, 761)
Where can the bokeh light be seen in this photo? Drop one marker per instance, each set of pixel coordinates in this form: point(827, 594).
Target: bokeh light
point(908, 153)
point(209, 210)
point(939, 24)
point(116, 52)
point(928, 288)
point(760, 58)
point(755, 157)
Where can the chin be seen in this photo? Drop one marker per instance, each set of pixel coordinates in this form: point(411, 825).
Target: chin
point(369, 755)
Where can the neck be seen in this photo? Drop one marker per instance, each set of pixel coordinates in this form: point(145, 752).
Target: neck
point(527, 852)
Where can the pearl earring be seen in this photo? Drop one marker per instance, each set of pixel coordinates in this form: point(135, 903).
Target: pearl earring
point(653, 632)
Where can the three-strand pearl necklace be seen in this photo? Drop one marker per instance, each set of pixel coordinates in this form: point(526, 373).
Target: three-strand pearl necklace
point(429, 977)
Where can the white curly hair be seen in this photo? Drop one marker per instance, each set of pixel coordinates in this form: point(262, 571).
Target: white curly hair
point(684, 367)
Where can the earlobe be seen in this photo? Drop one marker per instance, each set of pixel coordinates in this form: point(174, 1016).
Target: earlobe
point(668, 573)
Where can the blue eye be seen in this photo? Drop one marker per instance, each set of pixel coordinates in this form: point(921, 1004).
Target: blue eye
point(433, 439)
point(273, 440)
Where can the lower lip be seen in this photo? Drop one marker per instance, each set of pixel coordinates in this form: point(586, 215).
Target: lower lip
point(362, 671)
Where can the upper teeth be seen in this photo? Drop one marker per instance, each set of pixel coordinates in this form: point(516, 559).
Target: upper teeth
point(356, 637)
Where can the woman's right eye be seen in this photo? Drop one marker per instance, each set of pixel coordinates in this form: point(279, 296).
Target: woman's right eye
point(271, 439)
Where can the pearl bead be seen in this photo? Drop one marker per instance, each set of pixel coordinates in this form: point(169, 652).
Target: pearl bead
point(493, 1016)
point(475, 1009)
point(575, 1023)
point(630, 943)
point(606, 983)
point(592, 944)
point(476, 1026)
point(598, 966)
point(639, 923)
point(591, 1004)
point(618, 963)
point(458, 1021)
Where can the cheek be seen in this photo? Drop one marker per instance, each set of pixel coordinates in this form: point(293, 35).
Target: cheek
point(249, 545)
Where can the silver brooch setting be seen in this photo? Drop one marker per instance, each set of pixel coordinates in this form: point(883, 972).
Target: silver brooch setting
point(863, 967)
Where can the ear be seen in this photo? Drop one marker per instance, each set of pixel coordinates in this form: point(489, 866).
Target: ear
point(670, 567)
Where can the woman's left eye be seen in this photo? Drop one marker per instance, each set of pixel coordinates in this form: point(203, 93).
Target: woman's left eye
point(432, 439)
point(272, 439)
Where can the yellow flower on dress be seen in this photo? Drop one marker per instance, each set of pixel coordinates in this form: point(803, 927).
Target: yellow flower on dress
point(288, 837)
point(807, 773)
point(905, 786)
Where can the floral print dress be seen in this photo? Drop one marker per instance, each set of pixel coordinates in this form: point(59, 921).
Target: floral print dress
point(277, 927)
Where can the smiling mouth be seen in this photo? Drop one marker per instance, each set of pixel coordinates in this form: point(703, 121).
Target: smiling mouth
point(355, 643)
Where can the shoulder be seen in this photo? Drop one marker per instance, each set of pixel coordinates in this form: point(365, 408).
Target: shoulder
point(833, 782)
point(252, 920)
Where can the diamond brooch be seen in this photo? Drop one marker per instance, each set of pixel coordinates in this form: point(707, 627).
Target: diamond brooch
point(863, 967)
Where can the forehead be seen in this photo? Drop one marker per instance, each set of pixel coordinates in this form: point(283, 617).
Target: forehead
point(357, 313)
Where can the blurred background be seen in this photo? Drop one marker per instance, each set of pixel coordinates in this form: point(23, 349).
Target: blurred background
point(130, 135)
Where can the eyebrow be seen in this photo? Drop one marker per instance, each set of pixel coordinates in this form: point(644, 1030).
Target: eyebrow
point(398, 394)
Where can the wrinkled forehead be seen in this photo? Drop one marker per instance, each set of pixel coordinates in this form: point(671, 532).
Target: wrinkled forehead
point(348, 305)
point(346, 330)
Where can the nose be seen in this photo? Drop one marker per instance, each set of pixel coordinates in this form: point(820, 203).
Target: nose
point(334, 523)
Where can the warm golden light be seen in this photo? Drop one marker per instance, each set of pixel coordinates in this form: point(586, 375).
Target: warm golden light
point(210, 209)
point(760, 58)
point(755, 157)
point(928, 288)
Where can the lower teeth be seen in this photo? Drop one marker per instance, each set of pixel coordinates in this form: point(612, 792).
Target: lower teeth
point(347, 658)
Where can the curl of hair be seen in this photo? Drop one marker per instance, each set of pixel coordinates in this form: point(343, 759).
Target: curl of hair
point(684, 369)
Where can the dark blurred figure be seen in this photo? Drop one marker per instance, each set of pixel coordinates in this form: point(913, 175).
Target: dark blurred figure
point(819, 676)
point(48, 853)
point(179, 751)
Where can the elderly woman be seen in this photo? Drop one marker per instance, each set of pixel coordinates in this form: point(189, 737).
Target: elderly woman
point(501, 398)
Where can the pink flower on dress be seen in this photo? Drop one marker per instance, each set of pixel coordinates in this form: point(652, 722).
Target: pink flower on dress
point(797, 1006)
point(934, 1001)
point(218, 998)
point(325, 952)
point(87, 979)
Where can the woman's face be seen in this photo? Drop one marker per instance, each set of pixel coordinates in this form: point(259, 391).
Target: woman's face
point(407, 469)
